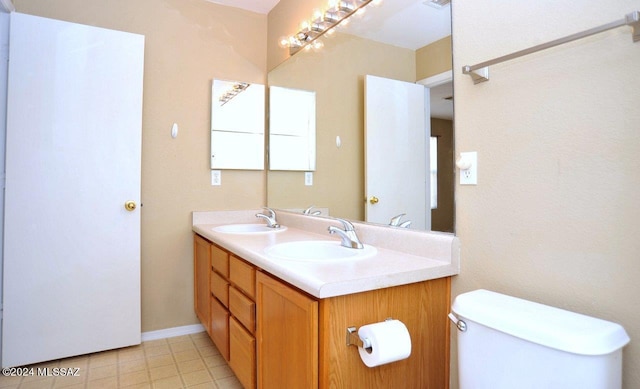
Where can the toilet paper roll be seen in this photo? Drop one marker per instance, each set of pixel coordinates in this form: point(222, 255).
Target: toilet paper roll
point(390, 341)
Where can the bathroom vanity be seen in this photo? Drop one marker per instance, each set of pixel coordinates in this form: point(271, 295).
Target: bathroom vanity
point(283, 323)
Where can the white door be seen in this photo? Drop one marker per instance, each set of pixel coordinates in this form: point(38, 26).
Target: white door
point(71, 249)
point(397, 132)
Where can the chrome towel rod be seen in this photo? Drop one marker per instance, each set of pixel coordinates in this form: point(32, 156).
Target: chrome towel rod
point(480, 72)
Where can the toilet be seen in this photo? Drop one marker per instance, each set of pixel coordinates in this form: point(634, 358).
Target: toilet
point(506, 342)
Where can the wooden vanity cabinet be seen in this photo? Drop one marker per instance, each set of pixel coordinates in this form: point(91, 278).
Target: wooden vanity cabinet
point(228, 284)
point(277, 336)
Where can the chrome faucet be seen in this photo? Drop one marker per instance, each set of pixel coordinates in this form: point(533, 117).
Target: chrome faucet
point(348, 235)
point(270, 218)
point(405, 224)
point(395, 221)
point(309, 210)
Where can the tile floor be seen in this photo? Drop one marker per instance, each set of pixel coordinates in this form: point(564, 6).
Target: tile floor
point(189, 361)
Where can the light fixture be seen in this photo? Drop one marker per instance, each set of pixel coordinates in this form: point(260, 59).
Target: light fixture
point(322, 22)
point(233, 91)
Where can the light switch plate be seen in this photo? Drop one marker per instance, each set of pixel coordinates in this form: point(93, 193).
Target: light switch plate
point(308, 178)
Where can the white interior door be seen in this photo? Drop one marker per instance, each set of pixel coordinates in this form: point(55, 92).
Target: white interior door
point(71, 249)
point(397, 132)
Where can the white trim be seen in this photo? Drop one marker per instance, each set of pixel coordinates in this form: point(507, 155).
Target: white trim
point(172, 332)
point(436, 80)
point(7, 6)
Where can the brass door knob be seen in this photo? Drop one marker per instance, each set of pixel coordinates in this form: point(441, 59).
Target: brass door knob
point(374, 200)
point(130, 205)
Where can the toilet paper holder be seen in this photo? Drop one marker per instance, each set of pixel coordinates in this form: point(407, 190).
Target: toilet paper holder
point(353, 339)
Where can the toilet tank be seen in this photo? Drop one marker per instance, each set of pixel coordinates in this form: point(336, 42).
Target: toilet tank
point(507, 343)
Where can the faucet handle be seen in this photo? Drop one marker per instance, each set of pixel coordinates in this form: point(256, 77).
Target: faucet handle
point(348, 226)
point(396, 219)
point(272, 213)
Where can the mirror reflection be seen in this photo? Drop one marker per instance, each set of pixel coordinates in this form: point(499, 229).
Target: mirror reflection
point(292, 129)
point(237, 125)
point(381, 43)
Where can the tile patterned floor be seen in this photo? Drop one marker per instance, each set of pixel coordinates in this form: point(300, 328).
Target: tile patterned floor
point(189, 361)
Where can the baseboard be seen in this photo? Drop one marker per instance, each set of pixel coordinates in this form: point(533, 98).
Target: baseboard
point(171, 332)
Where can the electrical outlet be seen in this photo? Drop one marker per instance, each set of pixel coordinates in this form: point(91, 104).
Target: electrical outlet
point(469, 176)
point(216, 177)
point(308, 178)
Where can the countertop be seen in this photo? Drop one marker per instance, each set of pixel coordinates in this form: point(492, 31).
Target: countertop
point(402, 256)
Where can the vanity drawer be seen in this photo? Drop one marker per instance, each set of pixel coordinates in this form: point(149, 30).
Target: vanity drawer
point(243, 354)
point(242, 308)
point(220, 327)
point(242, 275)
point(220, 260)
point(219, 288)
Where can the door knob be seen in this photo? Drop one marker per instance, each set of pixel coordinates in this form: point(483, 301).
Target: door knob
point(130, 205)
point(374, 200)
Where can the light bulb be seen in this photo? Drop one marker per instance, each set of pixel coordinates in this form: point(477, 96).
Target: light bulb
point(317, 15)
point(294, 42)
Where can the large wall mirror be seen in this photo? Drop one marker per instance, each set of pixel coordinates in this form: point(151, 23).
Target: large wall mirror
point(406, 41)
point(237, 125)
point(292, 129)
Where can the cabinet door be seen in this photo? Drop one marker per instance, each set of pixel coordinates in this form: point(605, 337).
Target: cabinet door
point(202, 270)
point(242, 349)
point(220, 327)
point(287, 336)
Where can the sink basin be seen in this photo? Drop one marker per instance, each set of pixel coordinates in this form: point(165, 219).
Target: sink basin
point(317, 250)
point(247, 229)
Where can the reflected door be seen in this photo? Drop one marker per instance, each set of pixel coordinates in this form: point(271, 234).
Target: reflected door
point(396, 152)
point(72, 216)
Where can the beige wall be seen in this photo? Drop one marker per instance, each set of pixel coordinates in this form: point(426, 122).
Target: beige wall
point(336, 74)
point(434, 58)
point(187, 44)
point(555, 216)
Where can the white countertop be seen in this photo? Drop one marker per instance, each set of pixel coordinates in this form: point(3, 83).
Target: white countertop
point(322, 279)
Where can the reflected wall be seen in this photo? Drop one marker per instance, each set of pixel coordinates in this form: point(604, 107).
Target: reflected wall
point(336, 74)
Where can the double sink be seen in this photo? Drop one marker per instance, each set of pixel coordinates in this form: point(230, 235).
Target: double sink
point(304, 250)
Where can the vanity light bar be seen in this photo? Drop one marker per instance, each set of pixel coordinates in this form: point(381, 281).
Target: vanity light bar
point(321, 23)
point(235, 90)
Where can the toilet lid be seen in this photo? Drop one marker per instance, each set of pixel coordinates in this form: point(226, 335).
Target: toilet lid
point(542, 324)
